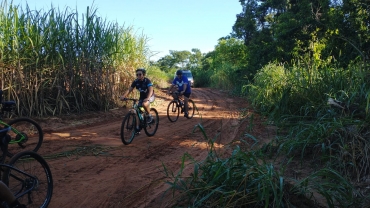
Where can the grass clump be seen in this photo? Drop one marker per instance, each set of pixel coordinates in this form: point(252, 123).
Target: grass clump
point(251, 179)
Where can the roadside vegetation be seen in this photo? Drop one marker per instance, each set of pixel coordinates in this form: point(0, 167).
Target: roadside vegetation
point(61, 61)
point(304, 65)
point(304, 68)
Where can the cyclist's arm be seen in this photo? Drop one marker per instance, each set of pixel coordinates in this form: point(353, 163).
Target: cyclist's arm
point(184, 88)
point(171, 88)
point(126, 93)
point(150, 93)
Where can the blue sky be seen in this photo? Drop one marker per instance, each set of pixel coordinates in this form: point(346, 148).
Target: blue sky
point(169, 24)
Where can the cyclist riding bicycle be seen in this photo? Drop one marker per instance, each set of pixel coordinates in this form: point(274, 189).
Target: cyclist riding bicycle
point(145, 87)
point(183, 87)
point(7, 196)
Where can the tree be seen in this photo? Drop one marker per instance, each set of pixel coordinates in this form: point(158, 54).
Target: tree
point(181, 59)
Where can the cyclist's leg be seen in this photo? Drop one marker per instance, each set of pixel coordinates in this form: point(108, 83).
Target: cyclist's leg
point(5, 194)
point(146, 106)
point(186, 103)
point(140, 104)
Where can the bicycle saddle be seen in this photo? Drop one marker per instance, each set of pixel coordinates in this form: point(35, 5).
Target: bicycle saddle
point(8, 105)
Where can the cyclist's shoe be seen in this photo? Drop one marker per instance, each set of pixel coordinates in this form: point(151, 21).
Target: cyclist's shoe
point(17, 204)
point(182, 106)
point(137, 131)
point(186, 115)
point(149, 118)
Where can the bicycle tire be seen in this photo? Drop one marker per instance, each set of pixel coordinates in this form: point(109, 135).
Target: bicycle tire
point(32, 132)
point(41, 182)
point(152, 127)
point(128, 128)
point(173, 111)
point(191, 108)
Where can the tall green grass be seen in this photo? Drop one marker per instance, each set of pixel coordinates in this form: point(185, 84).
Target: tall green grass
point(58, 61)
point(295, 98)
point(304, 90)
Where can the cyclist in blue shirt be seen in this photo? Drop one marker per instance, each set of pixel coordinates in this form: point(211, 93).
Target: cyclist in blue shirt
point(183, 87)
point(145, 87)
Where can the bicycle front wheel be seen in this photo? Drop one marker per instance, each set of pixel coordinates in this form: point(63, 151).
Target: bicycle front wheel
point(173, 111)
point(26, 135)
point(151, 128)
point(29, 179)
point(128, 128)
point(191, 108)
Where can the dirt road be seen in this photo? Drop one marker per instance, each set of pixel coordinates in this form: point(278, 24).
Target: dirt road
point(92, 168)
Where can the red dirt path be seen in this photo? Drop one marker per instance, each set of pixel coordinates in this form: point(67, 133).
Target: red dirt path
point(91, 167)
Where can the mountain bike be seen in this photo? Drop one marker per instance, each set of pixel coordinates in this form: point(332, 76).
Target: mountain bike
point(26, 134)
point(27, 175)
point(176, 106)
point(129, 123)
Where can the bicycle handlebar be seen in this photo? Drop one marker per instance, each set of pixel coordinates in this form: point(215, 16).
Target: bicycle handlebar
point(133, 99)
point(5, 129)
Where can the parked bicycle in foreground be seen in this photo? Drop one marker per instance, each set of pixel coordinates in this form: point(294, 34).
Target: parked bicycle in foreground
point(135, 117)
point(27, 175)
point(26, 134)
point(176, 106)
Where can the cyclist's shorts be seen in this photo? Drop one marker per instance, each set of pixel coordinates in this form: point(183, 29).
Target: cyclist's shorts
point(187, 94)
point(151, 99)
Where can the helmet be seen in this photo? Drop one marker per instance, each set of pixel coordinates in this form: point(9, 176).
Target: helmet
point(142, 70)
point(178, 72)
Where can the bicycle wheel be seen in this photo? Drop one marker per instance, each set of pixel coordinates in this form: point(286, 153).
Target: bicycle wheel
point(26, 135)
point(191, 108)
point(30, 179)
point(128, 128)
point(173, 111)
point(151, 128)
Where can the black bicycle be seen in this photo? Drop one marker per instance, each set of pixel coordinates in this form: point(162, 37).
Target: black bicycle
point(136, 117)
point(27, 175)
point(176, 106)
point(26, 134)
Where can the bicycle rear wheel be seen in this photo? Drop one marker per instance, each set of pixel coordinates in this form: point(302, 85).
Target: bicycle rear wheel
point(30, 181)
point(26, 135)
point(128, 128)
point(191, 108)
point(151, 128)
point(173, 111)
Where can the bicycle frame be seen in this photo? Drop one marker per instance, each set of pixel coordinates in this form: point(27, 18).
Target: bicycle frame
point(27, 182)
point(139, 112)
point(8, 106)
point(178, 102)
point(21, 193)
point(15, 131)
point(4, 145)
point(176, 96)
